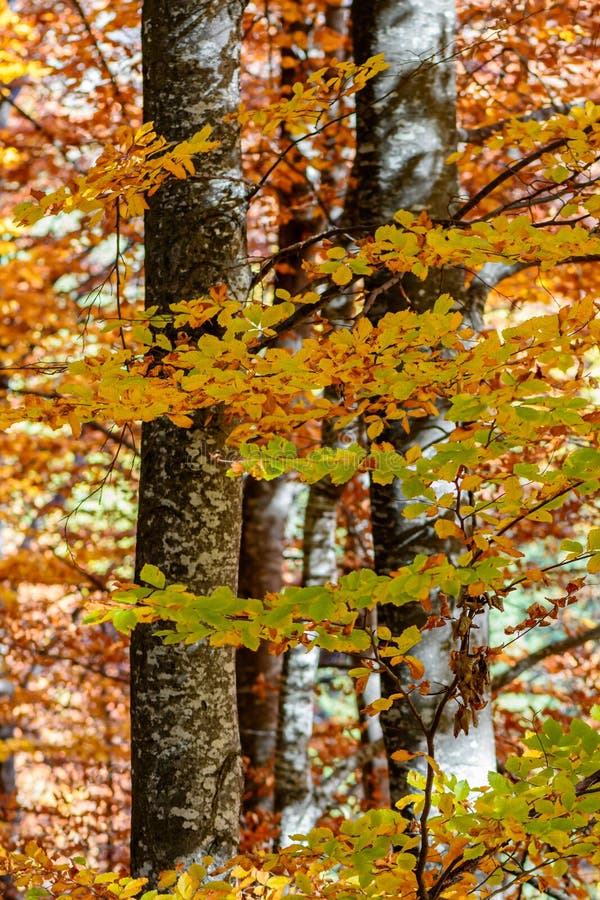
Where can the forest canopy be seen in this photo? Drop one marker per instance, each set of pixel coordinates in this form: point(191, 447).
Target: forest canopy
point(299, 541)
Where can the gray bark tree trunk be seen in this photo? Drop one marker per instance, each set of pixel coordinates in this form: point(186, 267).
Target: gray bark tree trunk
point(266, 508)
point(294, 795)
point(186, 762)
point(294, 798)
point(405, 129)
point(267, 503)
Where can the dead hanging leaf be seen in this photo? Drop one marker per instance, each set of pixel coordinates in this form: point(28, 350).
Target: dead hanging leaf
point(415, 667)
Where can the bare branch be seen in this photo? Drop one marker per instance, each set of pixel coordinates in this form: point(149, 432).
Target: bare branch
point(325, 793)
point(547, 890)
point(88, 667)
point(109, 433)
point(510, 171)
point(104, 62)
point(5, 97)
point(488, 277)
point(552, 649)
point(583, 786)
point(479, 135)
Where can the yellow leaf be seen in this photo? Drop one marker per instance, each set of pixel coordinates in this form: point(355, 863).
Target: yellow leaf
point(402, 755)
point(540, 515)
point(105, 878)
point(133, 888)
point(415, 667)
point(413, 453)
point(410, 798)
point(174, 167)
point(480, 542)
point(374, 429)
point(75, 424)
point(144, 130)
point(381, 704)
point(167, 879)
point(181, 420)
point(593, 564)
point(444, 528)
point(342, 275)
point(593, 539)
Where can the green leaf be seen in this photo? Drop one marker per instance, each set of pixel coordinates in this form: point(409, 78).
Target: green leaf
point(553, 730)
point(125, 620)
point(153, 576)
point(474, 852)
point(572, 547)
point(443, 305)
point(413, 510)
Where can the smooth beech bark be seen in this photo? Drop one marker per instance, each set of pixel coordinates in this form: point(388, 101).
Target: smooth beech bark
point(405, 129)
point(186, 761)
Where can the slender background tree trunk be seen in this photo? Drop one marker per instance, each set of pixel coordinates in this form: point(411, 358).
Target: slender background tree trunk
point(267, 503)
point(266, 509)
point(294, 795)
point(186, 763)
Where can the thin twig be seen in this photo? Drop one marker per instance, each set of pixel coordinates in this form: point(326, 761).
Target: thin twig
point(104, 63)
point(554, 648)
point(510, 172)
point(483, 132)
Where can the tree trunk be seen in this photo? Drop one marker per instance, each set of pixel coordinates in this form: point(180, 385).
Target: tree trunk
point(405, 129)
point(294, 795)
point(266, 508)
point(186, 763)
point(294, 798)
point(267, 503)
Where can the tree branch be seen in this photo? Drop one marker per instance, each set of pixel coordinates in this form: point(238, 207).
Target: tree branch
point(325, 792)
point(552, 649)
point(479, 135)
point(88, 667)
point(6, 98)
point(548, 891)
point(488, 277)
point(104, 62)
point(510, 172)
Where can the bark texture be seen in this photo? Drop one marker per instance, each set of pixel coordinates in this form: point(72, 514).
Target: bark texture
point(405, 129)
point(186, 762)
